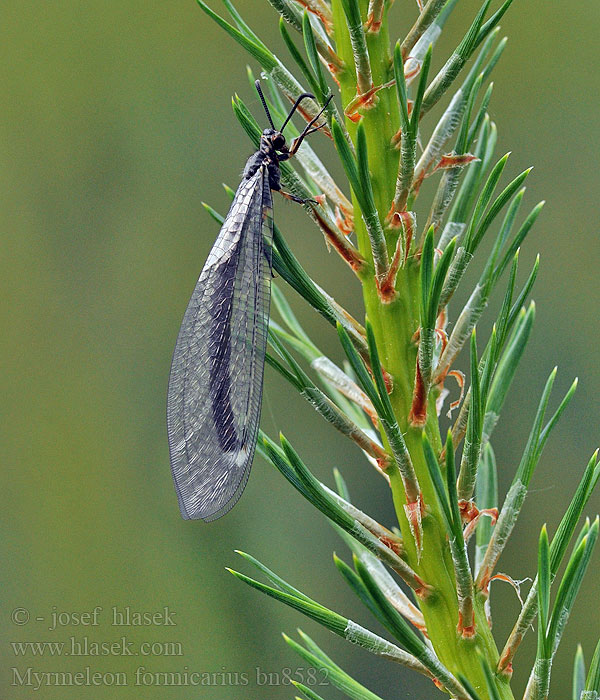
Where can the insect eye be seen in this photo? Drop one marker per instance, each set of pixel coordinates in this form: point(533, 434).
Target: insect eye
point(279, 141)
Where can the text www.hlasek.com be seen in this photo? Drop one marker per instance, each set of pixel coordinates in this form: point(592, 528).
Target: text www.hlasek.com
point(83, 646)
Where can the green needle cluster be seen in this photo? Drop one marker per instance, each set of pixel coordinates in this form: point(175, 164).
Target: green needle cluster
point(419, 577)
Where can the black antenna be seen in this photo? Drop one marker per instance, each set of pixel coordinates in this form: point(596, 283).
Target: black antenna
point(262, 99)
point(303, 96)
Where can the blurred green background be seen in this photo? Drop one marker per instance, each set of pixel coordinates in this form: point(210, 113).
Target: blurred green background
point(116, 124)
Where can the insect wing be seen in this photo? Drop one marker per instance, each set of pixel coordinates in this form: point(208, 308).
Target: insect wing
point(215, 385)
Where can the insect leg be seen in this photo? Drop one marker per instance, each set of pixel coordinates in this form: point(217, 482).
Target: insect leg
point(293, 198)
point(275, 183)
point(309, 129)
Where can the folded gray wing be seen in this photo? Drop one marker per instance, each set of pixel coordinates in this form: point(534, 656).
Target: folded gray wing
point(215, 385)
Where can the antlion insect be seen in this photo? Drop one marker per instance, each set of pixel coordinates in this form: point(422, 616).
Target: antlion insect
point(215, 385)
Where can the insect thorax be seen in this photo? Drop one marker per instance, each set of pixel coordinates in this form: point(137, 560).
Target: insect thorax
point(254, 162)
point(260, 158)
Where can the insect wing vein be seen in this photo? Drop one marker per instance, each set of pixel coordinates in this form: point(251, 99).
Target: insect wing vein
point(215, 385)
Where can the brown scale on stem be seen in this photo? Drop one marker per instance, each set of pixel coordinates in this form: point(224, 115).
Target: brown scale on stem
point(396, 142)
point(414, 510)
point(472, 525)
point(460, 380)
point(341, 245)
point(424, 590)
point(320, 9)
point(483, 583)
point(468, 511)
point(364, 100)
point(506, 671)
point(442, 337)
point(334, 70)
point(344, 221)
point(418, 409)
point(394, 545)
point(405, 222)
point(374, 16)
point(416, 185)
point(384, 462)
point(466, 631)
point(452, 160)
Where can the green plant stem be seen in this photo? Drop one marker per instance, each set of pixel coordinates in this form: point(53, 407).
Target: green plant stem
point(394, 325)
